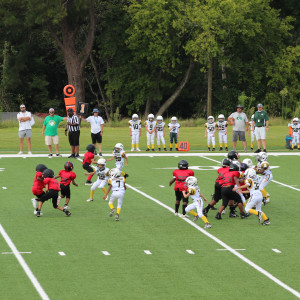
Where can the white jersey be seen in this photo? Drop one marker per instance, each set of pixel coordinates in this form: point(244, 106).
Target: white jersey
point(102, 174)
point(174, 129)
point(150, 125)
point(135, 126)
point(24, 125)
point(253, 186)
point(252, 125)
point(222, 126)
point(117, 184)
point(264, 165)
point(210, 127)
point(119, 157)
point(295, 128)
point(194, 193)
point(160, 127)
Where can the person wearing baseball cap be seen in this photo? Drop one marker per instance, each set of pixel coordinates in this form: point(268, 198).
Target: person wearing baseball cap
point(239, 121)
point(96, 129)
point(24, 117)
point(73, 128)
point(260, 125)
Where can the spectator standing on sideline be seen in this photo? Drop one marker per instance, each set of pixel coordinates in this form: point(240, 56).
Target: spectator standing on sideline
point(261, 124)
point(239, 121)
point(73, 127)
point(24, 118)
point(50, 131)
point(96, 129)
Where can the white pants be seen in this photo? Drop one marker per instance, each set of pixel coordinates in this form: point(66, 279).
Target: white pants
point(135, 138)
point(117, 195)
point(211, 138)
point(98, 183)
point(295, 139)
point(265, 180)
point(160, 137)
point(150, 138)
point(252, 136)
point(222, 137)
point(197, 204)
point(119, 165)
point(254, 200)
point(260, 133)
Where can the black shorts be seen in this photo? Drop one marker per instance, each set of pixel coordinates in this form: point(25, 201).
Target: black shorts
point(87, 167)
point(51, 194)
point(217, 194)
point(228, 194)
point(96, 137)
point(179, 196)
point(65, 190)
point(74, 138)
point(173, 137)
point(40, 195)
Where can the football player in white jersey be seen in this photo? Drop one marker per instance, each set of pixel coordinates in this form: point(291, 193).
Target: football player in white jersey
point(210, 131)
point(252, 184)
point(119, 155)
point(295, 126)
point(102, 174)
point(135, 131)
point(160, 132)
point(252, 131)
point(263, 168)
point(222, 127)
point(118, 187)
point(174, 133)
point(193, 191)
point(150, 125)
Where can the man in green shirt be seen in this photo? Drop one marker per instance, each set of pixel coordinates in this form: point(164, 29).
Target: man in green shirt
point(260, 125)
point(50, 131)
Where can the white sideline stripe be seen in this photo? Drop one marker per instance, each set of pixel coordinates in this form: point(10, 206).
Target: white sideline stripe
point(283, 184)
point(19, 252)
point(105, 252)
point(276, 250)
point(246, 260)
point(24, 265)
point(233, 249)
point(147, 252)
point(62, 253)
point(190, 251)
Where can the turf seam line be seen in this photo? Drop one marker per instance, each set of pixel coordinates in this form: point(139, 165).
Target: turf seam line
point(224, 245)
point(24, 265)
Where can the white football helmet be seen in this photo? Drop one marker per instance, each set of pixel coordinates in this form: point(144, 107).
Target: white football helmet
point(210, 119)
point(159, 119)
point(135, 117)
point(248, 162)
point(174, 120)
point(118, 148)
point(150, 117)
point(295, 120)
point(221, 117)
point(191, 181)
point(115, 172)
point(250, 173)
point(262, 156)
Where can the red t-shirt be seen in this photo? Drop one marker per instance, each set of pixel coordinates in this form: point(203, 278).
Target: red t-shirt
point(228, 178)
point(37, 187)
point(88, 156)
point(53, 184)
point(181, 176)
point(221, 172)
point(66, 177)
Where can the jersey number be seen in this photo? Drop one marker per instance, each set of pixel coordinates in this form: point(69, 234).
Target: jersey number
point(135, 126)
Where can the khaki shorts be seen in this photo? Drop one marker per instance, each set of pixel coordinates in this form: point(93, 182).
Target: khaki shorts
point(260, 133)
point(51, 139)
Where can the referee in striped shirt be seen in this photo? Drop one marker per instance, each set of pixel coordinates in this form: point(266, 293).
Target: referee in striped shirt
point(73, 127)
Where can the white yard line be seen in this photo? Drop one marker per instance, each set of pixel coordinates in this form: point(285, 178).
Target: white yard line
point(14, 253)
point(62, 253)
point(105, 252)
point(276, 250)
point(148, 252)
point(233, 251)
point(190, 251)
point(23, 264)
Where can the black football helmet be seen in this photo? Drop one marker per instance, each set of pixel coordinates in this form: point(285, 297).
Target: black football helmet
point(226, 162)
point(69, 166)
point(234, 167)
point(40, 168)
point(48, 173)
point(233, 155)
point(183, 164)
point(90, 148)
point(243, 167)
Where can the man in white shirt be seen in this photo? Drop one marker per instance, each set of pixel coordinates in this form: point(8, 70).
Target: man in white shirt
point(96, 128)
point(24, 118)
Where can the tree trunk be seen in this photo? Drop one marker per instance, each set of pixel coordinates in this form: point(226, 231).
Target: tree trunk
point(148, 107)
point(178, 90)
point(224, 76)
point(4, 104)
point(209, 87)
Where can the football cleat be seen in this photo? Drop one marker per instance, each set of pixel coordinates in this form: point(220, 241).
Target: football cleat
point(117, 218)
point(185, 216)
point(148, 149)
point(232, 215)
point(50, 155)
point(34, 212)
point(90, 199)
point(266, 222)
point(207, 225)
point(226, 149)
point(205, 211)
point(196, 218)
point(218, 216)
point(38, 213)
point(176, 214)
point(132, 149)
point(138, 149)
point(88, 182)
point(220, 149)
point(244, 215)
point(213, 149)
point(165, 149)
point(68, 214)
point(112, 211)
point(58, 155)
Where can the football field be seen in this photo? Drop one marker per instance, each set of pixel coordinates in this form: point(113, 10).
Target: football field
point(149, 253)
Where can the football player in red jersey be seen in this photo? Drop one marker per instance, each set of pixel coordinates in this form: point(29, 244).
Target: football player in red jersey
point(231, 178)
point(87, 160)
point(67, 176)
point(179, 177)
point(218, 185)
point(52, 189)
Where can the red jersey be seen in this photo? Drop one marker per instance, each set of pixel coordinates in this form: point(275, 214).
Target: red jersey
point(88, 156)
point(37, 187)
point(228, 178)
point(66, 177)
point(53, 184)
point(181, 176)
point(221, 172)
